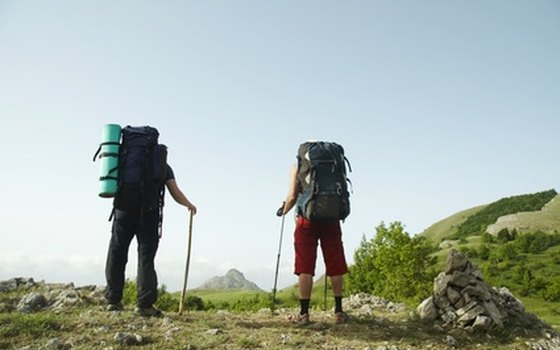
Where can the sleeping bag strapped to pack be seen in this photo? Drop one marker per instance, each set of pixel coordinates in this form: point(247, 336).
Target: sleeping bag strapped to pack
point(322, 181)
point(142, 170)
point(108, 152)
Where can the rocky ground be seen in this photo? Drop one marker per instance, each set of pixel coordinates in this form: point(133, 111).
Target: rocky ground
point(38, 315)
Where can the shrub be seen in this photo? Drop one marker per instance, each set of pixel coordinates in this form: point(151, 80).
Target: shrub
point(166, 301)
point(393, 265)
point(252, 303)
point(192, 302)
point(129, 293)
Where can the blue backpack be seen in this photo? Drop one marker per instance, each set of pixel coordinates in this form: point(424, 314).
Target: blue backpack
point(142, 169)
point(322, 181)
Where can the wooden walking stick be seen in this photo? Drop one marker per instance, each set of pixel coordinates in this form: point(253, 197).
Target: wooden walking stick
point(181, 302)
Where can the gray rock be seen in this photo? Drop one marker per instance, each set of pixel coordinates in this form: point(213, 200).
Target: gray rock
point(460, 312)
point(441, 283)
point(493, 312)
point(128, 338)
point(460, 279)
point(15, 283)
point(32, 302)
point(56, 344)
point(214, 331)
point(449, 317)
point(470, 316)
point(482, 323)
point(427, 310)
point(365, 304)
point(453, 295)
point(455, 262)
point(451, 341)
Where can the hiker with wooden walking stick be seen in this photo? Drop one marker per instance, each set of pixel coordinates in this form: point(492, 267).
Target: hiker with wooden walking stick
point(318, 189)
point(142, 174)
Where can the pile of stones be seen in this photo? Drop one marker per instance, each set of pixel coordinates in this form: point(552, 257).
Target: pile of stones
point(462, 299)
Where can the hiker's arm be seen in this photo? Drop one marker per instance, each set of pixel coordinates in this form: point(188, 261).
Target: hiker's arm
point(179, 196)
point(292, 192)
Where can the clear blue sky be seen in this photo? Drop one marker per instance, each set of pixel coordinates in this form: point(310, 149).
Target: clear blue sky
point(440, 105)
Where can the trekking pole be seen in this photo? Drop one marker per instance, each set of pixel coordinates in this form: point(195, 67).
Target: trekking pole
point(325, 295)
point(278, 261)
point(181, 302)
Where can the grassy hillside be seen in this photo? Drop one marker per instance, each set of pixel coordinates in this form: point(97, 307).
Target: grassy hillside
point(522, 213)
point(448, 227)
point(545, 220)
point(478, 223)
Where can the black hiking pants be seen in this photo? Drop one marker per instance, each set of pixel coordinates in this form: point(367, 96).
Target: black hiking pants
point(125, 227)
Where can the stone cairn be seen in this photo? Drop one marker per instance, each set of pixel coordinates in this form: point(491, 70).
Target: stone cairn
point(461, 299)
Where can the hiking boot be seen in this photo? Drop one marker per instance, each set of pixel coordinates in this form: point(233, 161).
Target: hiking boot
point(148, 311)
point(340, 317)
point(299, 319)
point(115, 307)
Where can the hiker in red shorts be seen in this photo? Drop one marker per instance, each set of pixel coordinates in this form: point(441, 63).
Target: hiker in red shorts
point(306, 237)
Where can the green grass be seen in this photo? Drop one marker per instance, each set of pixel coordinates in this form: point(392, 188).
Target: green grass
point(547, 311)
point(471, 242)
point(29, 325)
point(287, 297)
point(217, 296)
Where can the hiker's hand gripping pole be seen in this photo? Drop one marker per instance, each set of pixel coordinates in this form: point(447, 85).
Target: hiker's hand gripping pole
point(189, 240)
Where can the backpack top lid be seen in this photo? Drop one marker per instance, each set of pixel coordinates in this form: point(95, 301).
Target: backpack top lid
point(139, 135)
point(314, 153)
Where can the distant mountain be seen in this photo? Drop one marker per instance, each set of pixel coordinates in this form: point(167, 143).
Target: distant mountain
point(524, 213)
point(233, 279)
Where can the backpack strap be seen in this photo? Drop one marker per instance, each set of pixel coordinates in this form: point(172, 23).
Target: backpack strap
point(106, 154)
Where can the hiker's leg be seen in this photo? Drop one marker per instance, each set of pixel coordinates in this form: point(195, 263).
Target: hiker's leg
point(305, 285)
point(123, 230)
point(333, 254)
point(336, 284)
point(148, 241)
point(335, 261)
point(305, 245)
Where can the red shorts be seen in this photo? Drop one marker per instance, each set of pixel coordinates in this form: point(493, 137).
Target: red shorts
point(306, 237)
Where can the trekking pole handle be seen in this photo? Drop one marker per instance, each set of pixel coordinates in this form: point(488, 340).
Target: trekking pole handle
point(280, 210)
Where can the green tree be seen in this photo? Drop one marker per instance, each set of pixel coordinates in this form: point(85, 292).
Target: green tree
point(393, 265)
